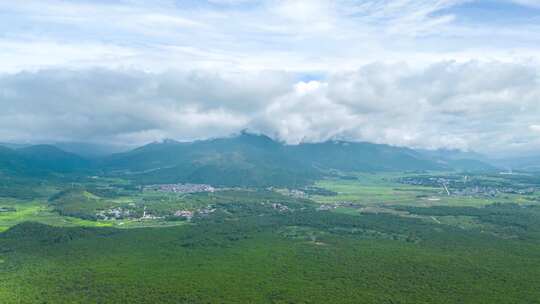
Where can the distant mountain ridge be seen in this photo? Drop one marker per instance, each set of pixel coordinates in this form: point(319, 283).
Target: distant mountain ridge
point(459, 160)
point(258, 160)
point(525, 163)
point(90, 150)
point(361, 156)
point(243, 160)
point(40, 160)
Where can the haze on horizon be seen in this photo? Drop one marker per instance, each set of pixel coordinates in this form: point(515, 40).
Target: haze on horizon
point(423, 74)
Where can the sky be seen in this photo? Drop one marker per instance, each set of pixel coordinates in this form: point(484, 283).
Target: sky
point(455, 74)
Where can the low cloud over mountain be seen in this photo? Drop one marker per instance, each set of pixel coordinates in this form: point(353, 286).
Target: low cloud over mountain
point(490, 107)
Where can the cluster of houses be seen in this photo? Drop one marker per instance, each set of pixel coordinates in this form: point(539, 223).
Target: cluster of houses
point(114, 214)
point(188, 214)
point(180, 188)
point(464, 187)
point(280, 207)
point(492, 191)
point(296, 193)
point(118, 213)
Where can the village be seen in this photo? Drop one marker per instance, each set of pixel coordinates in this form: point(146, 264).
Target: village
point(465, 186)
point(131, 213)
point(180, 188)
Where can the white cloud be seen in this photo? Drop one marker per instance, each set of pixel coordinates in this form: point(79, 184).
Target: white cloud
point(39, 54)
point(406, 72)
point(299, 35)
point(491, 107)
point(535, 128)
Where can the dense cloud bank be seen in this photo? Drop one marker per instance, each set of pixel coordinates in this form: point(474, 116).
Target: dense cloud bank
point(490, 107)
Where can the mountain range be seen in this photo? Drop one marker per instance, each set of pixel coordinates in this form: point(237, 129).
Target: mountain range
point(243, 160)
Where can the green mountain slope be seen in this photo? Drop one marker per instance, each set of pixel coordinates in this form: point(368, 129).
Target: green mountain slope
point(257, 160)
point(245, 160)
point(351, 156)
point(458, 160)
point(40, 160)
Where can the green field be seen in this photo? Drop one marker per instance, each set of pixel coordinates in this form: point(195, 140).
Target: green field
point(382, 189)
point(38, 211)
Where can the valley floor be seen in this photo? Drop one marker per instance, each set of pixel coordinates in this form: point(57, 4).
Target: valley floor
point(373, 239)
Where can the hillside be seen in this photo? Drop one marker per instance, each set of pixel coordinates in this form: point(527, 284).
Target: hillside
point(40, 160)
point(352, 156)
point(245, 160)
point(525, 163)
point(257, 160)
point(458, 160)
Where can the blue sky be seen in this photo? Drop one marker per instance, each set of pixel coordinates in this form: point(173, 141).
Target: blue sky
point(440, 73)
point(293, 35)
